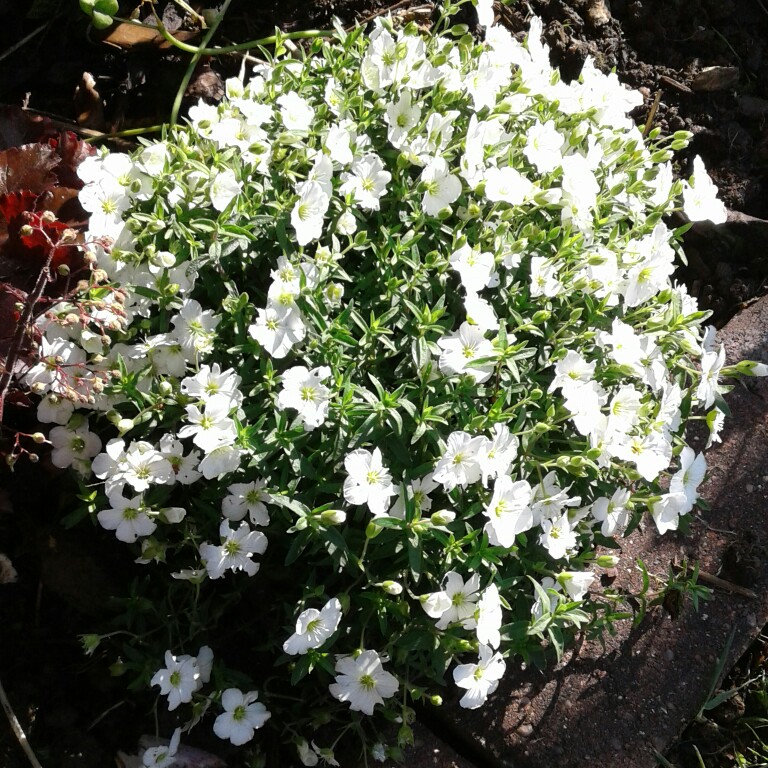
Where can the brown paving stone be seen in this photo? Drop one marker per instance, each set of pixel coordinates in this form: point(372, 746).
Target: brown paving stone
point(614, 706)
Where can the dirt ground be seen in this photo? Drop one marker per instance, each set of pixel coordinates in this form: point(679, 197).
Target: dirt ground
point(666, 48)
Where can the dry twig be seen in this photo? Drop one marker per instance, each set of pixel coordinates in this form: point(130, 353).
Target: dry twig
point(17, 729)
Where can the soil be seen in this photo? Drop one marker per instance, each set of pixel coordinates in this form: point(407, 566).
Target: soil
point(662, 47)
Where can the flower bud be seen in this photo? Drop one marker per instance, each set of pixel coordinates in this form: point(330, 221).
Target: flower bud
point(333, 517)
point(38, 437)
point(165, 388)
point(391, 587)
point(63, 270)
point(442, 517)
point(125, 425)
point(48, 217)
point(607, 561)
point(26, 230)
point(436, 701)
point(372, 530)
point(90, 643)
point(33, 458)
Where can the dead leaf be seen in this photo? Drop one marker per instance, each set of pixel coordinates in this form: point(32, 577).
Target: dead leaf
point(89, 106)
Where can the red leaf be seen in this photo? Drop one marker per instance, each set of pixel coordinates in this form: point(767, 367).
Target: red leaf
point(10, 297)
point(72, 152)
point(18, 127)
point(29, 167)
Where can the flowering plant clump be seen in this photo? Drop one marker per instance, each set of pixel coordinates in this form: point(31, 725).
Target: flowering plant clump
point(394, 348)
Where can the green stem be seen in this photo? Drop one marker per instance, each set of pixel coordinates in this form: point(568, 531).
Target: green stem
point(201, 50)
point(126, 132)
point(198, 52)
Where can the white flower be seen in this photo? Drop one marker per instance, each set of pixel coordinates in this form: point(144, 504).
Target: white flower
point(401, 117)
point(480, 680)
point(241, 717)
point(544, 278)
point(509, 512)
point(485, 12)
point(455, 602)
point(309, 211)
point(307, 754)
point(715, 419)
point(73, 446)
point(236, 550)
point(211, 427)
point(362, 682)
point(576, 583)
point(613, 512)
point(220, 461)
point(54, 409)
point(487, 619)
point(195, 328)
point(711, 363)
point(303, 392)
point(480, 313)
point(442, 188)
point(143, 465)
point(296, 113)
point(419, 491)
point(314, 627)
point(128, 518)
point(571, 371)
point(278, 328)
point(700, 201)
point(496, 455)
point(690, 475)
point(544, 146)
point(162, 757)
point(459, 465)
point(368, 482)
point(506, 185)
point(224, 189)
point(210, 381)
point(247, 498)
point(667, 510)
point(366, 182)
point(178, 680)
point(651, 453)
point(475, 268)
point(557, 536)
point(463, 347)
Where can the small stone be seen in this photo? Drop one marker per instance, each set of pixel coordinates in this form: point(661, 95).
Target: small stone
point(526, 729)
point(715, 79)
point(749, 488)
point(751, 620)
point(597, 13)
point(669, 654)
point(523, 701)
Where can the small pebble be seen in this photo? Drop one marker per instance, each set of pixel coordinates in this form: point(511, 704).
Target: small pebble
point(525, 729)
point(669, 654)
